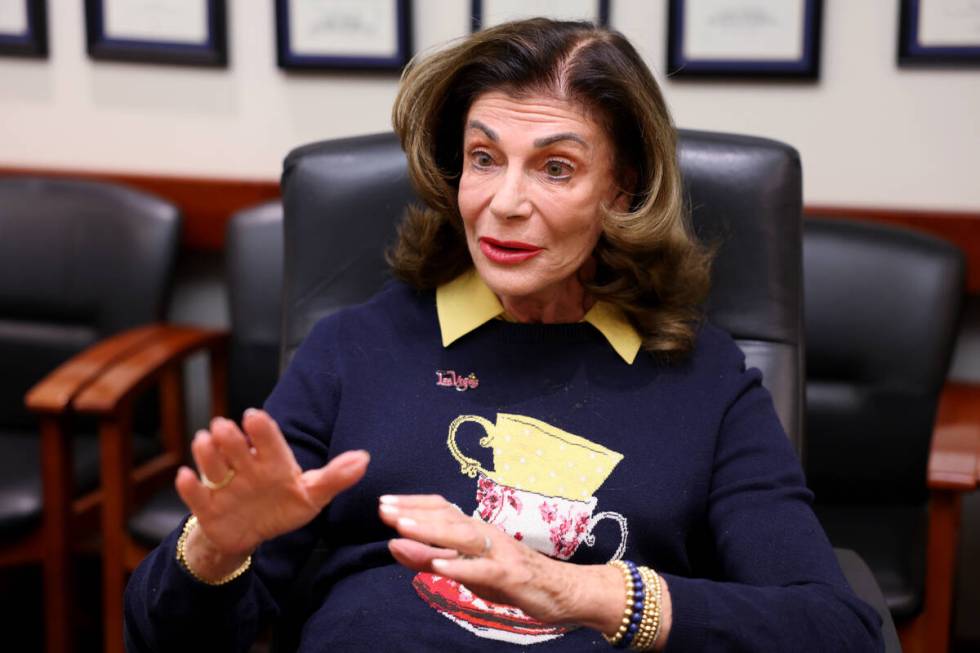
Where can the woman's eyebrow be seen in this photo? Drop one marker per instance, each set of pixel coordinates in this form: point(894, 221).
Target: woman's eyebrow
point(541, 142)
point(564, 136)
point(476, 124)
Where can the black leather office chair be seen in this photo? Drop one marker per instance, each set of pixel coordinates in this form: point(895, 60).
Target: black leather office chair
point(343, 199)
point(882, 306)
point(79, 262)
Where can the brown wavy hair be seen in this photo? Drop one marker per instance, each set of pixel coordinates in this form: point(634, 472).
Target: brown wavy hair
point(648, 262)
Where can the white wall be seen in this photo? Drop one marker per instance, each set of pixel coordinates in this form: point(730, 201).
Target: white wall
point(869, 132)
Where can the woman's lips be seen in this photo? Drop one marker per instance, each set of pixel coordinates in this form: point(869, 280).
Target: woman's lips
point(507, 252)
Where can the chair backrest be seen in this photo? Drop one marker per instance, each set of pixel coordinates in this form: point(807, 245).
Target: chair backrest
point(79, 260)
point(882, 306)
point(343, 199)
point(253, 249)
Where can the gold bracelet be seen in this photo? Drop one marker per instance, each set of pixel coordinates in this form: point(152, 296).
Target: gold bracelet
point(660, 608)
point(646, 635)
point(190, 525)
point(617, 637)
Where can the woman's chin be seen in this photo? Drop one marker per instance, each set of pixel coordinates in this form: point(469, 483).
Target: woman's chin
point(511, 282)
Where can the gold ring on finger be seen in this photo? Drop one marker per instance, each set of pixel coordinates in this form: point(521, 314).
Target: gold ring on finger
point(223, 483)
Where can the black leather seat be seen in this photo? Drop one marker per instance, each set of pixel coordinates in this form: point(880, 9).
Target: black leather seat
point(343, 199)
point(882, 305)
point(65, 247)
point(79, 261)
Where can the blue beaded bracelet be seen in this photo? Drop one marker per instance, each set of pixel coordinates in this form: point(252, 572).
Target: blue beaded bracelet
point(639, 595)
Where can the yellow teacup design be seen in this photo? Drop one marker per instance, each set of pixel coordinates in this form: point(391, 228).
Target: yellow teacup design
point(533, 455)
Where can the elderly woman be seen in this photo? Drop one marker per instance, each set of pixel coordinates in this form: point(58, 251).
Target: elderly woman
point(627, 476)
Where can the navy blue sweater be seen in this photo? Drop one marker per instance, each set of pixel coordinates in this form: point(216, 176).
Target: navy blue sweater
point(707, 490)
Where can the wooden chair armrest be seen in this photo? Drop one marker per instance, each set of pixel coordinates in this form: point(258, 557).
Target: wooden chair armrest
point(954, 457)
point(53, 394)
point(129, 375)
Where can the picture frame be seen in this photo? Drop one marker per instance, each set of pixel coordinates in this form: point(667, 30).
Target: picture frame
point(343, 34)
point(487, 13)
point(940, 34)
point(192, 33)
point(24, 29)
point(758, 39)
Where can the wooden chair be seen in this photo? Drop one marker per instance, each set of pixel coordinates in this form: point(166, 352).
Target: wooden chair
point(80, 263)
point(111, 399)
point(243, 368)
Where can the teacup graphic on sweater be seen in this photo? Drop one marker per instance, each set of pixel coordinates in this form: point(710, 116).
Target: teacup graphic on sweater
point(555, 526)
point(541, 492)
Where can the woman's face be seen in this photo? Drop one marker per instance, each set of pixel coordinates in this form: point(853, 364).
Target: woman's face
point(536, 171)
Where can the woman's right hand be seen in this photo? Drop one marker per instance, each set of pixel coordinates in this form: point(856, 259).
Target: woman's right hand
point(268, 495)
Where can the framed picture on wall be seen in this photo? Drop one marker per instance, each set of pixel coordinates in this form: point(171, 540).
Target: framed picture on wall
point(24, 28)
point(939, 33)
point(343, 34)
point(487, 13)
point(190, 32)
point(744, 38)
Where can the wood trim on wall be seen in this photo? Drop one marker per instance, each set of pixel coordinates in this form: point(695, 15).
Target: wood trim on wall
point(208, 203)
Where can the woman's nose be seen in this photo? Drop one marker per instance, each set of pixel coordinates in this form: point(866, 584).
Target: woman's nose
point(510, 197)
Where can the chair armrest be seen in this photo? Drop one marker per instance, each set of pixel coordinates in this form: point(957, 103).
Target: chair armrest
point(129, 375)
point(954, 457)
point(863, 582)
point(53, 394)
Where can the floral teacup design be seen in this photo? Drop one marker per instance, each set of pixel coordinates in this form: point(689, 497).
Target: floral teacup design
point(554, 526)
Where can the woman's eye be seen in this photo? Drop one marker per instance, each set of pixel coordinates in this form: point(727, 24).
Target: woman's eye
point(482, 160)
point(558, 169)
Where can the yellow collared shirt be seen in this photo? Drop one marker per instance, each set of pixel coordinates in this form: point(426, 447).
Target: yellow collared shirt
point(466, 303)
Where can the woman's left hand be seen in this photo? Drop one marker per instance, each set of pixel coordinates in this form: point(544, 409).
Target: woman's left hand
point(437, 537)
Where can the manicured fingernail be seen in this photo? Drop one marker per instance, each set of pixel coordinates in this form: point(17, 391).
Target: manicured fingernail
point(439, 564)
point(389, 510)
point(407, 521)
point(249, 411)
point(389, 499)
point(200, 433)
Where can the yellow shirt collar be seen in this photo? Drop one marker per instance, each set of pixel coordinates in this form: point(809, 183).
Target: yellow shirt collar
point(466, 303)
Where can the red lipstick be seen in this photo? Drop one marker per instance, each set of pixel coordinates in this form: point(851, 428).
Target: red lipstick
point(507, 252)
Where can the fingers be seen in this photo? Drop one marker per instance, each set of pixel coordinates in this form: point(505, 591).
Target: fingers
point(265, 435)
point(472, 572)
point(231, 442)
point(440, 525)
point(208, 458)
point(192, 492)
point(420, 501)
point(343, 471)
point(417, 556)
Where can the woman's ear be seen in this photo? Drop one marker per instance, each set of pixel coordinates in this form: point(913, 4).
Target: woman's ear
point(624, 195)
point(621, 204)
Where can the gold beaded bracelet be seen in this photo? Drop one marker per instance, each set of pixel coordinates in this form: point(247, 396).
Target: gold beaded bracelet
point(646, 635)
point(617, 637)
point(190, 525)
point(648, 629)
